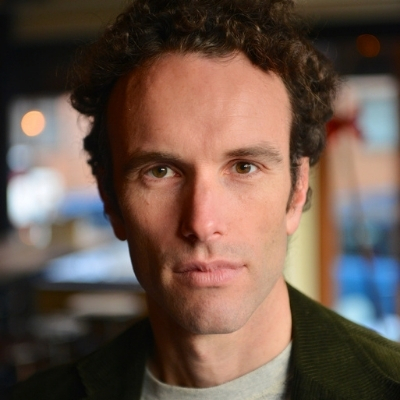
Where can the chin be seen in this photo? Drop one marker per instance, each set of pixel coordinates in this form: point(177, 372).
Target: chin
point(206, 312)
point(217, 321)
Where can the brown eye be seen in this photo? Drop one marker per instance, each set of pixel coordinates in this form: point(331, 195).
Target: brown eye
point(244, 167)
point(160, 172)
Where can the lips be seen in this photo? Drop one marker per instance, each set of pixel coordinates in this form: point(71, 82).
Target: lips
point(208, 274)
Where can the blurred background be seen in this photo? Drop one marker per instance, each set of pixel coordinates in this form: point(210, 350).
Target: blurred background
point(67, 286)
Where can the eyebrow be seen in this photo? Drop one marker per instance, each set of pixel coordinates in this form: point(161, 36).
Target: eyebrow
point(140, 158)
point(264, 151)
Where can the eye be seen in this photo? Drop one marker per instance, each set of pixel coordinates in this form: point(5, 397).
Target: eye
point(244, 167)
point(161, 171)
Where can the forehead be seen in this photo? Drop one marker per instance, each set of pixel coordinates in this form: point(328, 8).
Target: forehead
point(180, 93)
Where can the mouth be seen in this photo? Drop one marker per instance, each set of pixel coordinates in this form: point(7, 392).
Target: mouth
point(208, 274)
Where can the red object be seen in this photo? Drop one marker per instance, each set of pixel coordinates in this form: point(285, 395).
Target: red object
point(336, 125)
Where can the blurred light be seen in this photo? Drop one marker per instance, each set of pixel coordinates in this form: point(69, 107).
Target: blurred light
point(368, 45)
point(35, 196)
point(33, 123)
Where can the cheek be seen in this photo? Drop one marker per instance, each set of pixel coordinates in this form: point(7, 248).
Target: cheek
point(268, 227)
point(268, 209)
point(150, 226)
point(144, 249)
point(147, 226)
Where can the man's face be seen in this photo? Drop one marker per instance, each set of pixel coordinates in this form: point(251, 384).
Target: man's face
point(200, 153)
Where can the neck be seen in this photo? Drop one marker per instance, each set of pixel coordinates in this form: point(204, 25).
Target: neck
point(191, 360)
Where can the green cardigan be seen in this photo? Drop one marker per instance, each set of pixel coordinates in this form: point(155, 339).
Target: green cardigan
point(331, 359)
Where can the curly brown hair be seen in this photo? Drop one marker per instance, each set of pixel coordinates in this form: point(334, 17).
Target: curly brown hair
point(266, 31)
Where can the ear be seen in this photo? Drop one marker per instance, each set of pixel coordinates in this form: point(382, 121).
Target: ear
point(111, 209)
point(299, 197)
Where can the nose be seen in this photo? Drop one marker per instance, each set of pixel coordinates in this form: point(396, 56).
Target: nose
point(202, 211)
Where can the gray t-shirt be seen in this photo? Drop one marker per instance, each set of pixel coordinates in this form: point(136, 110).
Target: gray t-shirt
point(269, 382)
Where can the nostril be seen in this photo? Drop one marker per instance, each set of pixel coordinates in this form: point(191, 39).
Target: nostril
point(191, 238)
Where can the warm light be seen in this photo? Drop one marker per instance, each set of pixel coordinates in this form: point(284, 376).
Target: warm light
point(368, 45)
point(33, 123)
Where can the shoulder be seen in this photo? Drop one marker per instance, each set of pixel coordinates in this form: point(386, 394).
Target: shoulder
point(103, 371)
point(340, 355)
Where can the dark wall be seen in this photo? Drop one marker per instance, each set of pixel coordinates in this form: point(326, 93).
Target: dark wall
point(5, 91)
point(339, 42)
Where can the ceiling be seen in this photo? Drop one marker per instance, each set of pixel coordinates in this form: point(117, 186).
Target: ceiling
point(54, 20)
point(361, 11)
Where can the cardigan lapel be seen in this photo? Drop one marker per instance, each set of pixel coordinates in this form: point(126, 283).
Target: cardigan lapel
point(328, 361)
point(116, 370)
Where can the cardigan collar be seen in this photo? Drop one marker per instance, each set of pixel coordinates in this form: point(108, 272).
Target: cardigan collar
point(328, 360)
point(116, 370)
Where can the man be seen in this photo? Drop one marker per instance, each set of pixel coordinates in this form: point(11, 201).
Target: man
point(206, 116)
